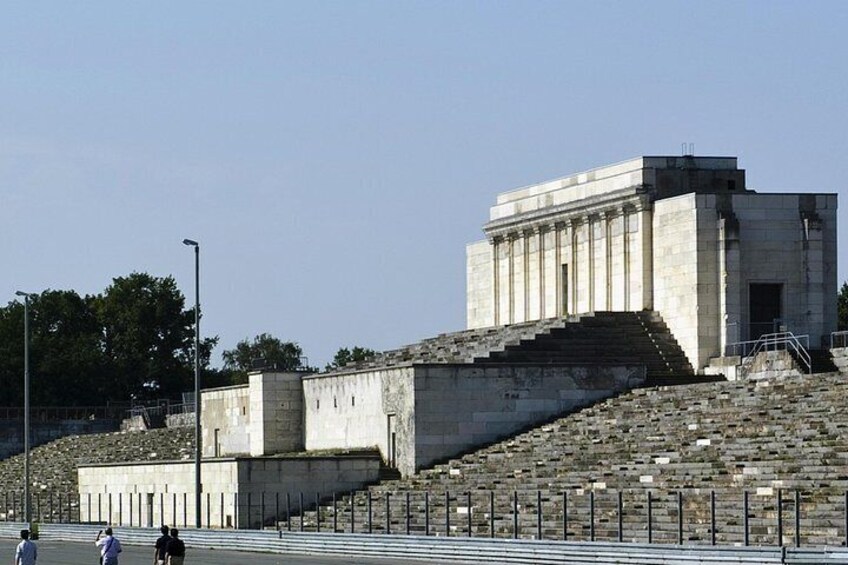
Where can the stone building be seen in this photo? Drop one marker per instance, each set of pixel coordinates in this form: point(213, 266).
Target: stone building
point(585, 287)
point(682, 236)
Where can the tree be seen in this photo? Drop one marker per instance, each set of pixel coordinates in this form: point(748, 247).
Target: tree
point(842, 307)
point(65, 356)
point(354, 355)
point(148, 337)
point(264, 351)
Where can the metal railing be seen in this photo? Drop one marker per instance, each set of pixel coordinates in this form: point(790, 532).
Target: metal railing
point(797, 346)
point(838, 339)
point(638, 516)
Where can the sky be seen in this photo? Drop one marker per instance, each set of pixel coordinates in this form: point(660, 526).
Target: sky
point(333, 159)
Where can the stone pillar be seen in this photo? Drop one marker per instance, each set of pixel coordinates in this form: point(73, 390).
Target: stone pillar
point(558, 239)
point(813, 321)
point(276, 413)
point(625, 235)
point(730, 283)
point(540, 248)
point(497, 242)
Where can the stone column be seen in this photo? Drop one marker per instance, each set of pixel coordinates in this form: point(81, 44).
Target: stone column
point(497, 241)
point(730, 304)
point(540, 247)
point(558, 229)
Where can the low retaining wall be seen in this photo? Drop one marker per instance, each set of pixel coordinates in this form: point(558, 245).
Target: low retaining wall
point(455, 549)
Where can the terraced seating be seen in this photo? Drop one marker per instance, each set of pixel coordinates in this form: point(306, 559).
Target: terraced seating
point(728, 437)
point(600, 337)
point(53, 466)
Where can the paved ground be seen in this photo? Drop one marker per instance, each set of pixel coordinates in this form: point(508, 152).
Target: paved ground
point(67, 553)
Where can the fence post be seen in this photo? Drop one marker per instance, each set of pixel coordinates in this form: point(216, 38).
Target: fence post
point(539, 514)
point(650, 518)
point(173, 507)
point(515, 514)
point(592, 515)
point(426, 513)
point(261, 510)
point(679, 517)
point(352, 513)
point(565, 516)
point(131, 508)
point(99, 508)
point(288, 510)
point(846, 518)
point(300, 509)
point(407, 513)
point(447, 513)
point(317, 512)
point(712, 518)
point(162, 508)
point(620, 517)
point(335, 514)
point(185, 509)
point(468, 506)
point(276, 510)
point(797, 518)
point(368, 498)
point(222, 510)
point(491, 513)
point(779, 517)
point(745, 519)
point(388, 513)
point(249, 505)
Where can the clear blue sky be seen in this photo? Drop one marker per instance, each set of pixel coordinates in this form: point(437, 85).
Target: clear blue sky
point(334, 158)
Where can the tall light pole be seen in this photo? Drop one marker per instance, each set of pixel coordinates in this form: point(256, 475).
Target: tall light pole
point(197, 438)
point(27, 505)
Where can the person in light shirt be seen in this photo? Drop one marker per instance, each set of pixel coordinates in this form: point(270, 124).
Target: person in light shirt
point(26, 552)
point(109, 547)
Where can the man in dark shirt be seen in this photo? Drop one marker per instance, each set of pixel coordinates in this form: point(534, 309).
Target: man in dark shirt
point(175, 552)
point(161, 546)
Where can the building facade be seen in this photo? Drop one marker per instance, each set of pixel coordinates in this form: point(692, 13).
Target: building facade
point(680, 235)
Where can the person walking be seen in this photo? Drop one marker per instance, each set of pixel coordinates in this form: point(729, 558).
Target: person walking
point(26, 552)
point(109, 547)
point(161, 546)
point(175, 553)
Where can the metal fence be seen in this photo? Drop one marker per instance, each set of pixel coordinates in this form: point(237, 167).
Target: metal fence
point(636, 516)
point(446, 550)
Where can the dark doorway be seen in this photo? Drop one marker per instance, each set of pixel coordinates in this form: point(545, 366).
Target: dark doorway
point(392, 438)
point(765, 312)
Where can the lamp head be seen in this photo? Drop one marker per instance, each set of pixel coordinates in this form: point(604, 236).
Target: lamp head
point(22, 293)
point(190, 242)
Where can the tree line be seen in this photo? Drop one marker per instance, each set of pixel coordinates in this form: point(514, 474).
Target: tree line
point(132, 342)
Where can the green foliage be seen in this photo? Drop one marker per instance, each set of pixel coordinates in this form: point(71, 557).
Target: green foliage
point(353, 355)
point(133, 341)
point(842, 307)
point(264, 351)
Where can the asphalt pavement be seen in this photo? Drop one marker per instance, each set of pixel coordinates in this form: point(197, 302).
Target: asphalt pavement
point(69, 553)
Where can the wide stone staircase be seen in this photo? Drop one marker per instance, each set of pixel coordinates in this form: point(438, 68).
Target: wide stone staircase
point(589, 339)
point(766, 438)
point(53, 466)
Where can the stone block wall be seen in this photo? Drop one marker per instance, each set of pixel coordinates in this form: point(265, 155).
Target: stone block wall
point(276, 408)
point(352, 410)
point(233, 489)
point(461, 407)
point(225, 421)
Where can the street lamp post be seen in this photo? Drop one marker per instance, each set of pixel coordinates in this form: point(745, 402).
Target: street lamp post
point(27, 505)
point(197, 438)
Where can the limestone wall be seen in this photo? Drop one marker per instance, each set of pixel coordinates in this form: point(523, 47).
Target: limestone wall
point(460, 407)
point(276, 408)
point(355, 410)
point(225, 421)
point(236, 491)
point(479, 285)
point(677, 294)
